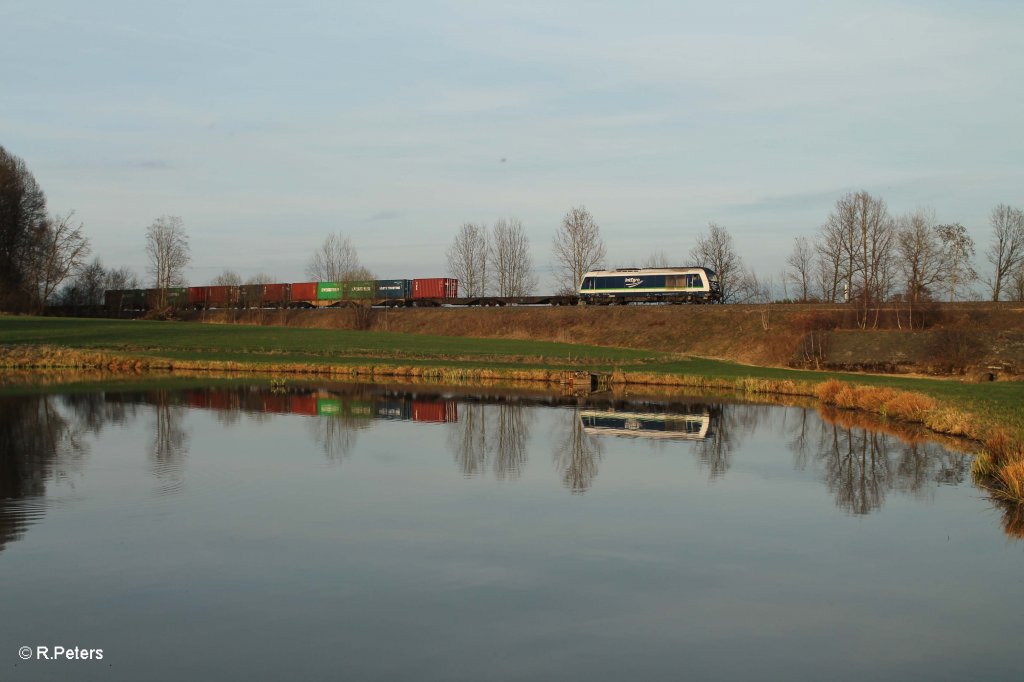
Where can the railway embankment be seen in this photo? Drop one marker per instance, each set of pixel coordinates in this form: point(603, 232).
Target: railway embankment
point(979, 340)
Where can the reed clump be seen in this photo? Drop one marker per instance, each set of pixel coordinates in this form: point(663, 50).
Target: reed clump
point(1000, 467)
point(888, 402)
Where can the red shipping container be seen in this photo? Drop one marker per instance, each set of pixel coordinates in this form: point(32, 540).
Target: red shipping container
point(197, 296)
point(436, 287)
point(436, 412)
point(275, 403)
point(303, 404)
point(221, 296)
point(223, 399)
point(275, 294)
point(304, 291)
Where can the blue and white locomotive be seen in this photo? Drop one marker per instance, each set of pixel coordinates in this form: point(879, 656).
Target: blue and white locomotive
point(650, 285)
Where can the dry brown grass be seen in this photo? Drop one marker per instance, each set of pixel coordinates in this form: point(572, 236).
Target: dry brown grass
point(888, 402)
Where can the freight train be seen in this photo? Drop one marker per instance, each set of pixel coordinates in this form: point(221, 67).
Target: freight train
point(599, 287)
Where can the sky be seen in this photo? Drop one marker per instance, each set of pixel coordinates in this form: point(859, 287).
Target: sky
point(266, 126)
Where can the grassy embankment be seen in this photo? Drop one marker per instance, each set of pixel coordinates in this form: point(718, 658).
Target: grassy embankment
point(991, 413)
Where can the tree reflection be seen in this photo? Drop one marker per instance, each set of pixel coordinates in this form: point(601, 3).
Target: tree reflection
point(864, 459)
point(715, 452)
point(336, 434)
point(467, 439)
point(38, 445)
point(170, 443)
point(511, 432)
point(491, 435)
point(577, 455)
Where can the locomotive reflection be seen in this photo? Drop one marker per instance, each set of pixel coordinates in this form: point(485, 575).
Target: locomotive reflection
point(693, 425)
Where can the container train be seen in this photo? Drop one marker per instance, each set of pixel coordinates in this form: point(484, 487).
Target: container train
point(599, 287)
point(430, 291)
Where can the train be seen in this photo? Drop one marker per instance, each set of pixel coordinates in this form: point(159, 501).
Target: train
point(598, 287)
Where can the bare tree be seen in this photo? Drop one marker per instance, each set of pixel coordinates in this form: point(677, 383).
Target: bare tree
point(467, 259)
point(861, 224)
point(261, 278)
point(59, 250)
point(1017, 284)
point(1006, 252)
point(87, 286)
point(658, 259)
point(121, 278)
point(716, 251)
point(920, 253)
point(168, 253)
point(510, 262)
point(828, 263)
point(957, 254)
point(336, 261)
point(577, 248)
point(228, 278)
point(801, 267)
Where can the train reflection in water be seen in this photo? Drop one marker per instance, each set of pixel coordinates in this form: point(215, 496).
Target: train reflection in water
point(365, 404)
point(695, 425)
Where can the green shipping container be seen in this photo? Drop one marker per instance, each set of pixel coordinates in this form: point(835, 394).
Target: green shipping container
point(326, 407)
point(329, 291)
point(332, 407)
point(359, 289)
point(177, 296)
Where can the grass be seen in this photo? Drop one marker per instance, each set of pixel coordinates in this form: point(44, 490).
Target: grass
point(190, 340)
point(990, 412)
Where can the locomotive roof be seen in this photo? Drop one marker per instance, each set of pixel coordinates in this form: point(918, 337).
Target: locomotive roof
point(675, 270)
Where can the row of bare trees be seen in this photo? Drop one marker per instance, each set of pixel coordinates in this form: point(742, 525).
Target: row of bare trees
point(864, 254)
point(495, 259)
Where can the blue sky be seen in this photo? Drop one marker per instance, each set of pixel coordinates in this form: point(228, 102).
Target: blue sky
point(266, 126)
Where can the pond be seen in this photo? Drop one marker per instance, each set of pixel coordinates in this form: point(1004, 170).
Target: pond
point(365, 532)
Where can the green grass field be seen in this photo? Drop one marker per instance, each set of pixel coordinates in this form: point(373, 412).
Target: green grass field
point(1002, 402)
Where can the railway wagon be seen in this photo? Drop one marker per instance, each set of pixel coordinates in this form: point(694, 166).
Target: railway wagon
point(359, 290)
point(118, 300)
point(435, 287)
point(171, 297)
point(265, 295)
point(329, 292)
point(216, 296)
point(392, 289)
point(303, 294)
point(650, 285)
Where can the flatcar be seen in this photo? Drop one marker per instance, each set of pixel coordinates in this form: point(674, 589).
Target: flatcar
point(650, 285)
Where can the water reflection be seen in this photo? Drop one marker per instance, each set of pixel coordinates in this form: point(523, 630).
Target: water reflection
point(859, 462)
point(38, 446)
point(492, 436)
point(578, 452)
point(862, 465)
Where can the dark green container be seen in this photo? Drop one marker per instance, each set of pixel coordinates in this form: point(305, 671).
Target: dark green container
point(176, 297)
point(359, 289)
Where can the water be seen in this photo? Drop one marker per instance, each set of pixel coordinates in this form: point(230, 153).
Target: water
point(341, 532)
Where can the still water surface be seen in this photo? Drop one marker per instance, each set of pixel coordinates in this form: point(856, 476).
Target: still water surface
point(359, 532)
